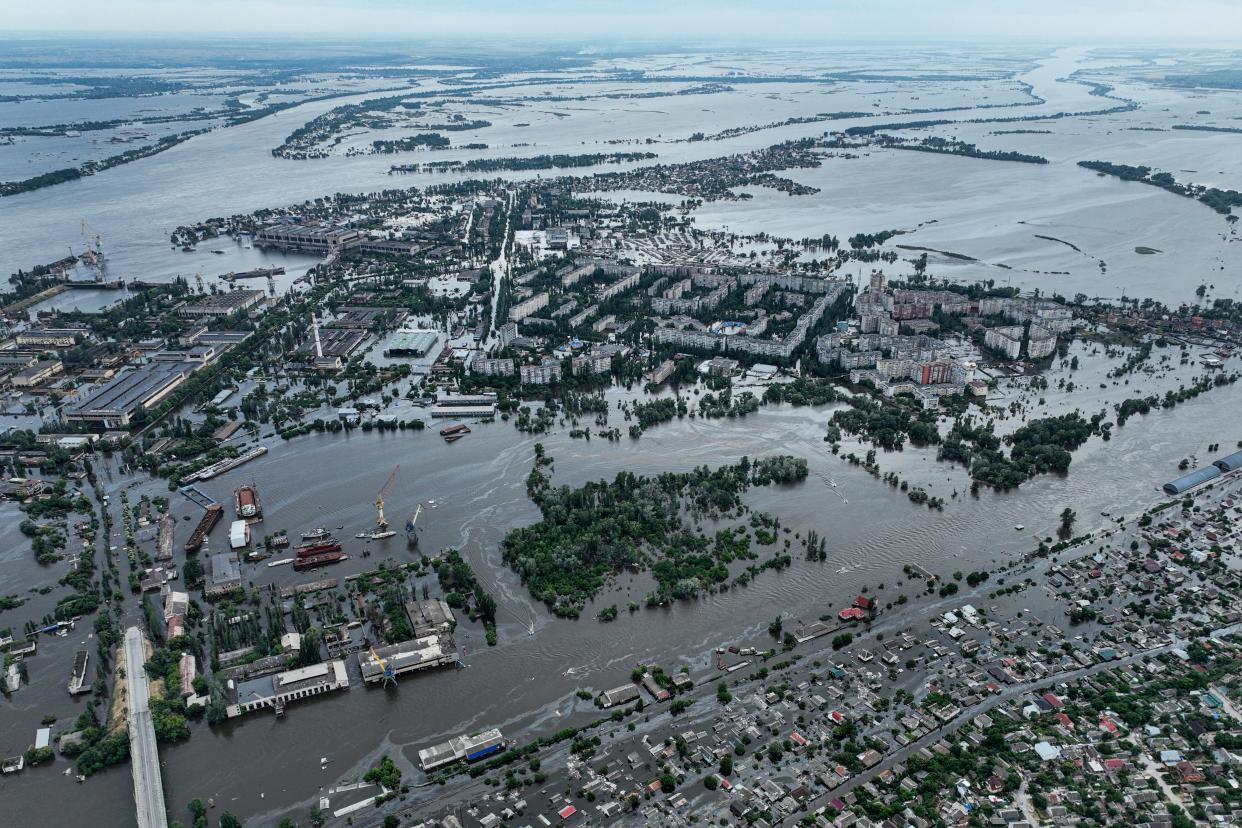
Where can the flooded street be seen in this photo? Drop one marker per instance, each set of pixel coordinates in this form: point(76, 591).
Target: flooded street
point(526, 685)
point(981, 220)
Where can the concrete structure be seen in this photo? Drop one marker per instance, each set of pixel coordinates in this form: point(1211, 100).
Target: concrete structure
point(37, 374)
point(494, 367)
point(406, 657)
point(1040, 342)
point(524, 309)
point(461, 747)
point(591, 364)
point(1007, 340)
point(546, 372)
point(411, 343)
point(114, 404)
point(279, 690)
point(223, 304)
point(50, 337)
point(661, 372)
point(316, 239)
point(225, 574)
point(619, 286)
point(144, 756)
point(619, 695)
point(1189, 481)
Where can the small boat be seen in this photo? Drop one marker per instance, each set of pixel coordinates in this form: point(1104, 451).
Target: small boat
point(375, 535)
point(453, 438)
point(1019, 527)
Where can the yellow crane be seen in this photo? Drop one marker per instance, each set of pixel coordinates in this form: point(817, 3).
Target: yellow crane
point(390, 675)
point(379, 498)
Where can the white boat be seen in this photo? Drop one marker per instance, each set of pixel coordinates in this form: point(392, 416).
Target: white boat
point(1019, 527)
point(375, 535)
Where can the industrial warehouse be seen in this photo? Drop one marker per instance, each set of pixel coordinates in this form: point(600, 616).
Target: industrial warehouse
point(1225, 465)
point(114, 404)
point(469, 748)
point(291, 685)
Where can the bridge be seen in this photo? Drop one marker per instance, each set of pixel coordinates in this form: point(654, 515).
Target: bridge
point(144, 757)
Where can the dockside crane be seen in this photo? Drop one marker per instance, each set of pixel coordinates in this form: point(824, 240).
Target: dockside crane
point(382, 522)
point(410, 524)
point(390, 675)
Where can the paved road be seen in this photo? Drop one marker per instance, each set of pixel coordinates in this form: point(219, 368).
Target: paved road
point(1008, 694)
point(144, 757)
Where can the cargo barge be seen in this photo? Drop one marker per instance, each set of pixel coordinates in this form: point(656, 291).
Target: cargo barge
point(224, 465)
point(459, 430)
point(257, 273)
point(247, 504)
point(315, 561)
point(209, 521)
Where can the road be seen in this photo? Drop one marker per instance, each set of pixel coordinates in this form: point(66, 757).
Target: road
point(144, 756)
point(500, 270)
point(1008, 694)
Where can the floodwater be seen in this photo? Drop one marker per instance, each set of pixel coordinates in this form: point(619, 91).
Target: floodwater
point(988, 210)
point(260, 767)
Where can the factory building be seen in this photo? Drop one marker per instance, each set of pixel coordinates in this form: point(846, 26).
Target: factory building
point(279, 690)
point(405, 657)
point(222, 304)
point(469, 748)
point(314, 239)
point(114, 404)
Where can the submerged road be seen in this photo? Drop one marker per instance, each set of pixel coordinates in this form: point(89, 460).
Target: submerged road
point(148, 785)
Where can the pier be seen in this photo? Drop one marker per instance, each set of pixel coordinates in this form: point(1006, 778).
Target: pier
point(144, 756)
point(197, 495)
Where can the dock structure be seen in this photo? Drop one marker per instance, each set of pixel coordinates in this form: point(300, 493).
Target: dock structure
point(77, 679)
point(196, 495)
point(144, 756)
point(168, 527)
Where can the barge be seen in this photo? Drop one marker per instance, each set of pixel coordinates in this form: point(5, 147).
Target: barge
point(224, 465)
point(315, 561)
point(311, 550)
point(459, 430)
point(210, 518)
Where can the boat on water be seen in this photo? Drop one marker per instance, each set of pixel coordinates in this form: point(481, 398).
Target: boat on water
point(314, 561)
point(375, 535)
point(247, 504)
point(1019, 527)
point(312, 549)
point(210, 518)
point(459, 429)
point(318, 533)
point(453, 438)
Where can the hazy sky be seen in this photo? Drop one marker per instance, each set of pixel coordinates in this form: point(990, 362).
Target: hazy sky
point(1167, 21)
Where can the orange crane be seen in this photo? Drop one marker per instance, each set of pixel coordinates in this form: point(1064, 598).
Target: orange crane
point(379, 498)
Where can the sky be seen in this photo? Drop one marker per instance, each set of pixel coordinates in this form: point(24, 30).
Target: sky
point(1157, 21)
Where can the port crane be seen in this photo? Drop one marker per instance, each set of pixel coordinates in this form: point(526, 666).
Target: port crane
point(410, 524)
point(382, 522)
point(390, 675)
